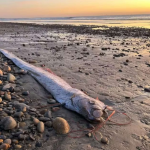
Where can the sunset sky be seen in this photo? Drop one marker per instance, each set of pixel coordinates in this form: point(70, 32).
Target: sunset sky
point(63, 8)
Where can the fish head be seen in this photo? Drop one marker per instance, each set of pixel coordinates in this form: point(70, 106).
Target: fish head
point(95, 110)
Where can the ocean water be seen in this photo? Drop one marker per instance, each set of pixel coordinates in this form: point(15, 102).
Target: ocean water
point(120, 20)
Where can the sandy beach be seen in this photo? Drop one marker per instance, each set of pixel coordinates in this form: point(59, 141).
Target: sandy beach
point(110, 63)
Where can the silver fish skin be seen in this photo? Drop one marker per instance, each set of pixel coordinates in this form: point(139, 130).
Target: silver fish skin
point(72, 98)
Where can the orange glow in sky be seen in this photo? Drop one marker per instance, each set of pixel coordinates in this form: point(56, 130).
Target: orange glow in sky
point(63, 8)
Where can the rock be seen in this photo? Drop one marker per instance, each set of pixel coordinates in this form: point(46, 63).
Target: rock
point(17, 146)
point(40, 127)
point(1, 141)
point(35, 121)
point(6, 68)
point(7, 96)
point(21, 137)
point(48, 114)
point(51, 101)
point(54, 109)
point(15, 141)
point(25, 93)
point(4, 146)
point(147, 88)
point(104, 140)
point(61, 126)
point(1, 72)
point(2, 93)
point(44, 119)
point(8, 141)
point(20, 106)
point(21, 71)
point(0, 99)
point(22, 124)
point(48, 124)
point(38, 144)
point(8, 123)
point(43, 111)
point(11, 77)
point(32, 61)
point(18, 114)
point(1, 82)
point(2, 137)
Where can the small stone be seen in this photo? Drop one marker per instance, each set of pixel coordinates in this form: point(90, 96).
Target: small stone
point(8, 123)
point(44, 119)
point(8, 141)
point(17, 146)
point(1, 82)
point(54, 109)
point(104, 140)
point(1, 141)
point(48, 114)
point(7, 96)
point(32, 61)
point(0, 99)
point(51, 101)
point(11, 77)
point(43, 111)
point(25, 93)
point(6, 68)
point(48, 124)
point(18, 114)
point(1, 72)
point(89, 134)
point(15, 141)
point(22, 124)
point(40, 127)
point(35, 121)
point(61, 126)
point(4, 146)
point(21, 137)
point(38, 144)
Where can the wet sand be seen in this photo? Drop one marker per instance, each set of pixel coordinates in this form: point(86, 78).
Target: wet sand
point(111, 64)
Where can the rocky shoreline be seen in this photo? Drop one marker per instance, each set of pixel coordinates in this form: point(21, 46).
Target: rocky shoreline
point(113, 68)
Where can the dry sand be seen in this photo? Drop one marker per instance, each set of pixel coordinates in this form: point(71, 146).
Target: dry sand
point(113, 68)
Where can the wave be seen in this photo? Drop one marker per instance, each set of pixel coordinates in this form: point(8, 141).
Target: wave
point(117, 17)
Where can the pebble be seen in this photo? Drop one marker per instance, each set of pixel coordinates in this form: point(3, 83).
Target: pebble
point(35, 121)
point(48, 124)
point(7, 96)
point(51, 101)
point(8, 141)
point(55, 109)
point(1, 82)
point(11, 77)
point(1, 141)
point(0, 99)
point(44, 119)
point(17, 146)
point(104, 140)
point(21, 137)
point(7, 68)
point(147, 88)
point(1, 72)
point(18, 114)
point(8, 123)
point(61, 126)
point(25, 93)
point(40, 127)
point(4, 146)
point(15, 141)
point(48, 114)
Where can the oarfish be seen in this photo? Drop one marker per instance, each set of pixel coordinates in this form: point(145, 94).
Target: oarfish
point(72, 98)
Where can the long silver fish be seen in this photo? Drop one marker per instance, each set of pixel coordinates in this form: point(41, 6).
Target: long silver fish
point(72, 98)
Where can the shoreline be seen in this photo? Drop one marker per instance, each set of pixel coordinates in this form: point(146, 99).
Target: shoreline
point(88, 29)
point(113, 68)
